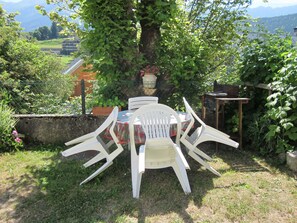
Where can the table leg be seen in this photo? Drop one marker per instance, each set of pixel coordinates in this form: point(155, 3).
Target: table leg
point(203, 112)
point(240, 123)
point(203, 108)
point(217, 121)
point(223, 116)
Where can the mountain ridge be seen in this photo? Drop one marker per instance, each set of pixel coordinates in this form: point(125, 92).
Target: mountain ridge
point(30, 18)
point(286, 23)
point(265, 12)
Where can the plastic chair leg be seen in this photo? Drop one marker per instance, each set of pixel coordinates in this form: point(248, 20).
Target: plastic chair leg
point(202, 154)
point(137, 186)
point(82, 147)
point(95, 159)
point(223, 140)
point(101, 169)
point(192, 147)
point(134, 175)
point(80, 139)
point(181, 157)
point(182, 177)
point(203, 163)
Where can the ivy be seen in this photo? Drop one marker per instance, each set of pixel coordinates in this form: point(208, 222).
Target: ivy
point(192, 42)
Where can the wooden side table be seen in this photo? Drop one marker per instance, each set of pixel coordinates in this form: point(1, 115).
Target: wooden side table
point(210, 96)
point(221, 102)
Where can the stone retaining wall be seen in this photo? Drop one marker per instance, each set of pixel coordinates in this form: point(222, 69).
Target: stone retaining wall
point(56, 129)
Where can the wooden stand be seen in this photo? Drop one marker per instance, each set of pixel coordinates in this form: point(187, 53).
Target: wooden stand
point(221, 102)
point(210, 96)
point(149, 91)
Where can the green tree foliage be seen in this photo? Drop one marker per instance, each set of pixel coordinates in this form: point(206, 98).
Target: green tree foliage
point(190, 41)
point(54, 31)
point(7, 124)
point(202, 45)
point(282, 105)
point(261, 59)
point(267, 52)
point(28, 75)
point(42, 33)
point(271, 59)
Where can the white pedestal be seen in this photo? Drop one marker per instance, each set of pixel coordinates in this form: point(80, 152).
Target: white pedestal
point(149, 81)
point(292, 160)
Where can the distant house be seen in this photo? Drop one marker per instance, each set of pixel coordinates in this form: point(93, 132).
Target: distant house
point(77, 69)
point(69, 46)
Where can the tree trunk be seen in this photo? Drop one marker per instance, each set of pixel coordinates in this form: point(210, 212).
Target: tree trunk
point(150, 32)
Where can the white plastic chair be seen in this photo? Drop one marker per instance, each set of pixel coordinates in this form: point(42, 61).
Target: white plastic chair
point(137, 102)
point(202, 134)
point(159, 151)
point(92, 141)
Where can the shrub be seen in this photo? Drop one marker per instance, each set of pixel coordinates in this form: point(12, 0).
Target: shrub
point(28, 75)
point(282, 106)
point(263, 57)
point(9, 139)
point(271, 59)
point(256, 131)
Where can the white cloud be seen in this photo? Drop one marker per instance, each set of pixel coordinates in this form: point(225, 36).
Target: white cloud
point(273, 3)
point(11, 0)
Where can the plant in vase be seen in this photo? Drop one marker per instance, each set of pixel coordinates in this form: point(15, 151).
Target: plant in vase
point(149, 76)
point(103, 106)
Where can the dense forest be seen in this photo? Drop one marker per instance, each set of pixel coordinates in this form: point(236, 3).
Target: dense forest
point(286, 23)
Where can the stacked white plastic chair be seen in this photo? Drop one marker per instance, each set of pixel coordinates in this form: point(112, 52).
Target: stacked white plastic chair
point(137, 102)
point(159, 151)
point(92, 141)
point(202, 134)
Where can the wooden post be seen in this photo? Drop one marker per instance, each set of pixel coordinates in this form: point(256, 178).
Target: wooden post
point(217, 120)
point(83, 97)
point(240, 123)
point(221, 101)
point(203, 111)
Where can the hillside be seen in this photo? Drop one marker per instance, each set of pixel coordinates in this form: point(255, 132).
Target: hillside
point(272, 18)
point(261, 12)
point(29, 17)
point(286, 23)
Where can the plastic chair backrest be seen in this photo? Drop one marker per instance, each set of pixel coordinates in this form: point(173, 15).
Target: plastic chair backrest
point(155, 120)
point(110, 120)
point(191, 112)
point(137, 102)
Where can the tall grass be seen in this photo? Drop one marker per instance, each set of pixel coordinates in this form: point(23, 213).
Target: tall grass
point(7, 124)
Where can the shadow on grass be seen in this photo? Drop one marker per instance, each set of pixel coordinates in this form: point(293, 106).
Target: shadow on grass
point(240, 160)
point(251, 161)
point(57, 197)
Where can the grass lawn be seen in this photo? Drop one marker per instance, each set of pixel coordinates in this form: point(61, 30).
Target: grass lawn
point(66, 59)
point(52, 43)
point(57, 44)
point(37, 185)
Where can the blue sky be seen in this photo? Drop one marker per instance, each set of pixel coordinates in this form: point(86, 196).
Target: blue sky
point(256, 3)
point(273, 3)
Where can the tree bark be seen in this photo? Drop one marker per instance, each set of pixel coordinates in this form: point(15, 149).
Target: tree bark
point(150, 32)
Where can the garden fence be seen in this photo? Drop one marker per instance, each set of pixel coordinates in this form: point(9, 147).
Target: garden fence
point(61, 97)
point(58, 97)
point(43, 97)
